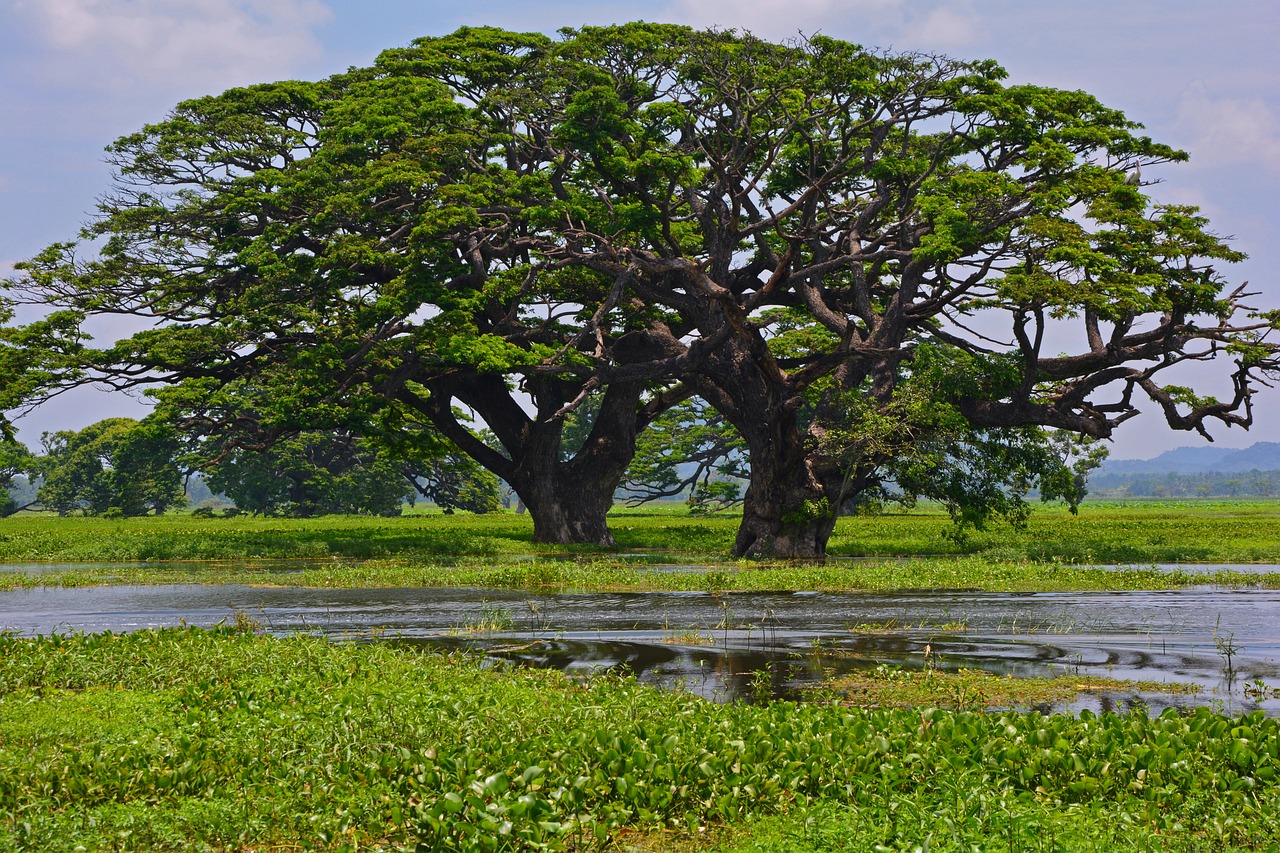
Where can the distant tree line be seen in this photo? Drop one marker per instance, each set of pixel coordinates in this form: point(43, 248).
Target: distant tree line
point(122, 467)
point(1210, 484)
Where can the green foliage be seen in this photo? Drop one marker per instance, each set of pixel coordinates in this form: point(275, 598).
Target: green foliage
point(165, 739)
point(118, 466)
point(310, 474)
point(15, 459)
point(689, 447)
point(456, 482)
point(32, 356)
point(1080, 456)
point(916, 443)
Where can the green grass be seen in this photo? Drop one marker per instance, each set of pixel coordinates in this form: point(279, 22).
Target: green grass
point(1054, 553)
point(1220, 531)
point(604, 575)
point(186, 739)
point(974, 690)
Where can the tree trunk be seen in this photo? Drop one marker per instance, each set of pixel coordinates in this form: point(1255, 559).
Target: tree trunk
point(786, 514)
point(568, 510)
point(568, 499)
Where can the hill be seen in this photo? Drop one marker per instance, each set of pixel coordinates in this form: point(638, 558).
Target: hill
point(1262, 456)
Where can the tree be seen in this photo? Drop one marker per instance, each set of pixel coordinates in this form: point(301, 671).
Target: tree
point(335, 471)
point(1081, 456)
point(116, 465)
point(807, 220)
point(648, 212)
point(31, 356)
point(310, 474)
point(691, 449)
point(457, 482)
point(15, 459)
point(346, 244)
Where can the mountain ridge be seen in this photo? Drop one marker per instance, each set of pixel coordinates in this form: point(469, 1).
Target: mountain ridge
point(1260, 456)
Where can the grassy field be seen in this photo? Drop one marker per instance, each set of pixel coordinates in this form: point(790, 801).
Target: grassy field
point(1220, 531)
point(601, 574)
point(185, 739)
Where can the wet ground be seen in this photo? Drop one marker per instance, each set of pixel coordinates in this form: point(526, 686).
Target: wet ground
point(726, 646)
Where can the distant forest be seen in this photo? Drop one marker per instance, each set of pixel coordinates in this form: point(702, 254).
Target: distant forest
point(1202, 484)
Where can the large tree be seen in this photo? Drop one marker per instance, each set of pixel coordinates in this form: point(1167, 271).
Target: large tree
point(15, 460)
point(796, 233)
point(117, 465)
point(350, 245)
point(34, 358)
point(324, 473)
point(806, 221)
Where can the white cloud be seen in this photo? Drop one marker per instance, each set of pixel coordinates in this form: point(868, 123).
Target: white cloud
point(1229, 131)
point(943, 26)
point(785, 18)
point(188, 45)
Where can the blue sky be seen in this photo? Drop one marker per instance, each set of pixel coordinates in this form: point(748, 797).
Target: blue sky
point(75, 74)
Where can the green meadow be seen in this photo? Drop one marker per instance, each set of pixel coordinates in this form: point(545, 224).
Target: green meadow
point(1104, 533)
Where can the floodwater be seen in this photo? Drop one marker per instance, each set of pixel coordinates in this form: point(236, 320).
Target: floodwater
point(728, 646)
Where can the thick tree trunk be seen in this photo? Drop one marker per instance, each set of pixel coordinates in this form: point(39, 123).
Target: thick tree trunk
point(800, 478)
point(567, 499)
point(569, 510)
point(786, 514)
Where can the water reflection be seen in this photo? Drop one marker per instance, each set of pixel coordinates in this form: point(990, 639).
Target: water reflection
point(739, 645)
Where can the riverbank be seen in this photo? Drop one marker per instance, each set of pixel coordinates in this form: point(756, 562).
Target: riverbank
point(227, 740)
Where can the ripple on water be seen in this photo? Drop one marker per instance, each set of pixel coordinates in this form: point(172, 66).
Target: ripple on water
point(717, 645)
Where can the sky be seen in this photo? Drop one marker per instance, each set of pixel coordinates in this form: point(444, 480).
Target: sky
point(76, 74)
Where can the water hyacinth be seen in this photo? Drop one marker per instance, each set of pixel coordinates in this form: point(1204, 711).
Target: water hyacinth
point(182, 739)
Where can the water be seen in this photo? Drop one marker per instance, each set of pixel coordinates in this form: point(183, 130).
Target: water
point(1203, 568)
point(725, 646)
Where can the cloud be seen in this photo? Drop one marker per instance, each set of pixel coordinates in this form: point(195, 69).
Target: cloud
point(187, 45)
point(943, 26)
point(1229, 131)
point(897, 24)
point(785, 18)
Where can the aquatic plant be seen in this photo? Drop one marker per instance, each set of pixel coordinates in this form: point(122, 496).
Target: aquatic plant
point(181, 739)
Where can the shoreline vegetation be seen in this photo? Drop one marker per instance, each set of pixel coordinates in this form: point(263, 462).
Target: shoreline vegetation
point(227, 739)
point(184, 739)
point(604, 575)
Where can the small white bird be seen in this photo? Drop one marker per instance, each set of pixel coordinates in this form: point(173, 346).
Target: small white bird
point(1135, 177)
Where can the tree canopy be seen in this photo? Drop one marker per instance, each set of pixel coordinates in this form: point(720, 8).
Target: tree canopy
point(115, 466)
point(15, 460)
point(818, 240)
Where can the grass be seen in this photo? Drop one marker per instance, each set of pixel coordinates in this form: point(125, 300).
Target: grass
point(975, 690)
point(597, 574)
point(1104, 533)
point(226, 740)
